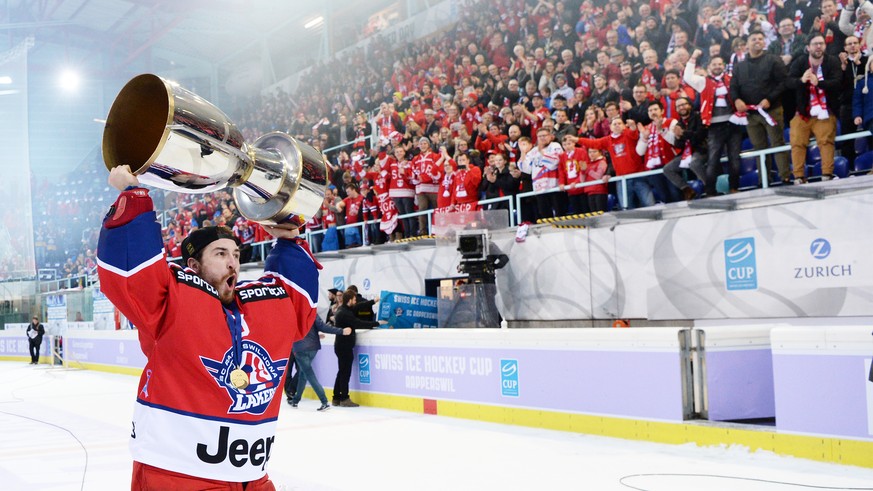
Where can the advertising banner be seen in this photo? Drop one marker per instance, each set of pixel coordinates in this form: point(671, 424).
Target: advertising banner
point(56, 313)
point(104, 311)
point(404, 311)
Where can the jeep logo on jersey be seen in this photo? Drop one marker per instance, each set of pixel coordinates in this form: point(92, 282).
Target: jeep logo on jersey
point(254, 294)
point(264, 377)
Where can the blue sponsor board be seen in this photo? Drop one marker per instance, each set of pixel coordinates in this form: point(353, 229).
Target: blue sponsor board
point(509, 378)
point(403, 311)
point(364, 368)
point(741, 270)
point(339, 282)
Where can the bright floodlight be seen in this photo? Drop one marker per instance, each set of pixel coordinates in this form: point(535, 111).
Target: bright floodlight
point(69, 80)
point(314, 22)
point(5, 80)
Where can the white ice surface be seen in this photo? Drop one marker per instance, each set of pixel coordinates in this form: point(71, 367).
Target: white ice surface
point(50, 418)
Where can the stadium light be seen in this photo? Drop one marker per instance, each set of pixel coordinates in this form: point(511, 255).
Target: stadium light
point(314, 22)
point(69, 80)
point(5, 80)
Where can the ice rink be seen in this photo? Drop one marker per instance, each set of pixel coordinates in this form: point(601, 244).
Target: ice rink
point(65, 429)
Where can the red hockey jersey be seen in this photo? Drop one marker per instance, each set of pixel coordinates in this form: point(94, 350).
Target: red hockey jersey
point(188, 416)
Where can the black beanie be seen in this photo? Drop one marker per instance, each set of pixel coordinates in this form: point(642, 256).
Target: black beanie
point(202, 237)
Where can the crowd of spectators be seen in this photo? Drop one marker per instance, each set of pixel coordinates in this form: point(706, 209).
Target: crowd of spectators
point(534, 95)
point(538, 95)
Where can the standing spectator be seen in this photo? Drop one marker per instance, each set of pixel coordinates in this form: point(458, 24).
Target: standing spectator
point(757, 83)
point(400, 188)
point(352, 206)
point(498, 182)
point(853, 63)
point(465, 184)
point(602, 93)
point(426, 174)
point(690, 141)
point(572, 170)
point(562, 125)
point(828, 26)
point(541, 163)
point(716, 108)
point(816, 81)
point(656, 147)
point(672, 91)
point(637, 109)
point(344, 347)
point(35, 332)
point(621, 145)
point(598, 194)
point(790, 44)
point(304, 352)
point(330, 211)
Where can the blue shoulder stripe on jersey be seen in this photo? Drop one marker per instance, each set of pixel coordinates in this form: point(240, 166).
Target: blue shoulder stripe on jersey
point(203, 416)
point(291, 262)
point(126, 247)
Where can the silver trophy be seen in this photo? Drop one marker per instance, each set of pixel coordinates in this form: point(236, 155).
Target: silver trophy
point(175, 140)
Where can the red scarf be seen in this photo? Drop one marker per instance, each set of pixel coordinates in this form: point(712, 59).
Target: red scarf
point(818, 103)
point(648, 79)
point(829, 35)
point(653, 149)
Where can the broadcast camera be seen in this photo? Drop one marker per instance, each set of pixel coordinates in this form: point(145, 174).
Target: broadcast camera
point(477, 260)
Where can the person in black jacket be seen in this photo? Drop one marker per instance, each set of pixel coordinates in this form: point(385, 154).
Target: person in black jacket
point(757, 85)
point(363, 307)
point(816, 81)
point(498, 181)
point(344, 347)
point(35, 332)
point(690, 140)
point(304, 352)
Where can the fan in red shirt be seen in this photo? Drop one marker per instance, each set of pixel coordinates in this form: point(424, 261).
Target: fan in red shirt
point(400, 188)
point(490, 140)
point(621, 146)
point(387, 210)
point(445, 194)
point(427, 174)
point(353, 206)
point(571, 171)
point(656, 146)
point(598, 194)
point(465, 185)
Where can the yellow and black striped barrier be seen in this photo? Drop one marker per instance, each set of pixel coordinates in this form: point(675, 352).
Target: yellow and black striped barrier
point(413, 239)
point(557, 222)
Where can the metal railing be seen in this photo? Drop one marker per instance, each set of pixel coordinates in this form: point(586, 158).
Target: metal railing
point(515, 202)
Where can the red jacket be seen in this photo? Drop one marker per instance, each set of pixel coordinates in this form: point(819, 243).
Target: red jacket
point(465, 184)
point(426, 174)
point(622, 150)
point(572, 168)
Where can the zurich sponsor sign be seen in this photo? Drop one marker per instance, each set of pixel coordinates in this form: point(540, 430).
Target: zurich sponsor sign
point(820, 248)
point(741, 270)
point(509, 378)
point(364, 368)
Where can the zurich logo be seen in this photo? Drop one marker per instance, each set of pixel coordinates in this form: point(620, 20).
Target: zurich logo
point(740, 251)
point(820, 248)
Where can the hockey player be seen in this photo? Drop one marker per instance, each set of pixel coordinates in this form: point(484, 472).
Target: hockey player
point(206, 407)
